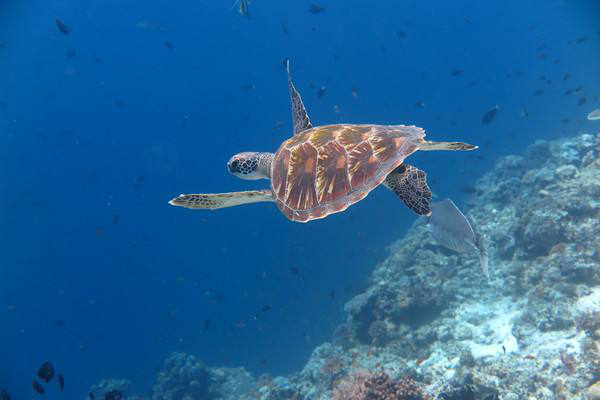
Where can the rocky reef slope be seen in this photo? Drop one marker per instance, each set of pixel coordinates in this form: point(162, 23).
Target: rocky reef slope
point(431, 325)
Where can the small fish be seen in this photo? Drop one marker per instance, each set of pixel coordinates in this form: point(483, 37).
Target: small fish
point(206, 324)
point(419, 104)
point(61, 382)
point(169, 45)
point(37, 387)
point(594, 115)
point(321, 91)
point(71, 53)
point(489, 116)
point(582, 101)
point(469, 189)
point(315, 9)
point(284, 28)
point(294, 271)
point(354, 91)
point(457, 72)
point(91, 396)
point(503, 349)
point(539, 92)
point(265, 308)
point(59, 322)
point(452, 230)
point(401, 34)
point(581, 39)
point(113, 395)
point(62, 27)
point(568, 92)
point(46, 372)
point(332, 294)
point(243, 8)
point(4, 395)
point(524, 113)
point(248, 87)
point(567, 77)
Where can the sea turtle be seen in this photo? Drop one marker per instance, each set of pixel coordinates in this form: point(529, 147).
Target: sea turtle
point(325, 169)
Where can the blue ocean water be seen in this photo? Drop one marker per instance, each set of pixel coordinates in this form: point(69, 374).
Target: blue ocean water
point(143, 101)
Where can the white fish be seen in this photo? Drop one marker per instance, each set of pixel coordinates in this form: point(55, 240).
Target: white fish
point(452, 230)
point(594, 115)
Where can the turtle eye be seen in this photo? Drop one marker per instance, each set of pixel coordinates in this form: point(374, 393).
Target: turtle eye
point(234, 165)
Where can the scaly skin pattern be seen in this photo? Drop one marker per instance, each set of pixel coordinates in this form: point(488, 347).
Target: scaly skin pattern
point(325, 169)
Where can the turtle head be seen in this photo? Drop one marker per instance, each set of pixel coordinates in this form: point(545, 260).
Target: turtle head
point(250, 165)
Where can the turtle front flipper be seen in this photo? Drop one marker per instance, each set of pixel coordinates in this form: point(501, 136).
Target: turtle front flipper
point(299, 114)
point(410, 184)
point(213, 201)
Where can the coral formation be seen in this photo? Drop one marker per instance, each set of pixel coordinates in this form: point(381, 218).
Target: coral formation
point(363, 385)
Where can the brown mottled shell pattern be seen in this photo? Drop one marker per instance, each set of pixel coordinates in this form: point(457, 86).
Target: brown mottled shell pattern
point(326, 169)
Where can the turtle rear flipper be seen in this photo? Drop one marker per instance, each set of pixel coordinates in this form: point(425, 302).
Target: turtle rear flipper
point(410, 184)
point(213, 201)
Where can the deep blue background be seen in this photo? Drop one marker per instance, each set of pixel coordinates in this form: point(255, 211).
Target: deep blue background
point(93, 147)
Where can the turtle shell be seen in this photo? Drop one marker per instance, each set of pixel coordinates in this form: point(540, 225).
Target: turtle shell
point(326, 169)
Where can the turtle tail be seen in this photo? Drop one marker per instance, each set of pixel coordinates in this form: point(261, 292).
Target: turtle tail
point(429, 145)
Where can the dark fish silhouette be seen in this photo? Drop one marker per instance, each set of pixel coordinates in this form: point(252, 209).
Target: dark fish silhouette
point(284, 28)
point(401, 34)
point(91, 396)
point(539, 92)
point(61, 382)
point(113, 395)
point(582, 101)
point(4, 395)
point(489, 116)
point(46, 372)
point(315, 9)
point(71, 53)
point(169, 45)
point(59, 322)
point(457, 72)
point(452, 230)
point(37, 387)
point(321, 91)
point(265, 308)
point(206, 324)
point(62, 27)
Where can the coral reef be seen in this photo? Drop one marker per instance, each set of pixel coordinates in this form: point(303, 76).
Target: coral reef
point(531, 332)
point(364, 385)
